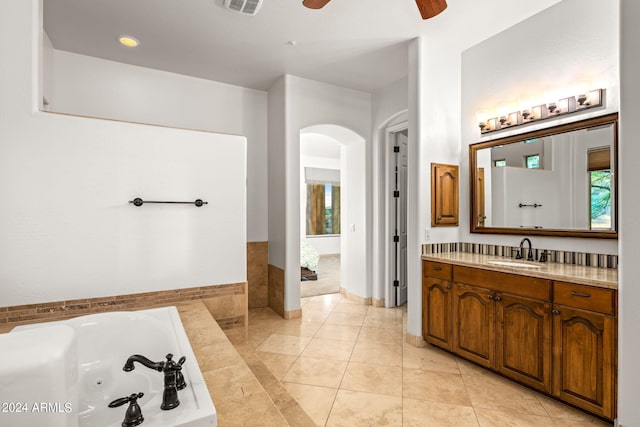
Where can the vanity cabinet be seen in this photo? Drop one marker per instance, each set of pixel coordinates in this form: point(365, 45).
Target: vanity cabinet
point(584, 347)
point(437, 298)
point(474, 324)
point(556, 337)
point(523, 340)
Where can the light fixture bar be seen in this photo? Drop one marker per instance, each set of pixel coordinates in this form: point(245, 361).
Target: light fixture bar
point(572, 104)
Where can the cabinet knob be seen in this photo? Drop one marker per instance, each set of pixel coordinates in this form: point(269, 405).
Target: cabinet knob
point(498, 298)
point(448, 286)
point(555, 312)
point(490, 296)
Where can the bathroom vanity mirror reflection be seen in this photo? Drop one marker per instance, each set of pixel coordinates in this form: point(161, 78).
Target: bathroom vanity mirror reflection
point(559, 181)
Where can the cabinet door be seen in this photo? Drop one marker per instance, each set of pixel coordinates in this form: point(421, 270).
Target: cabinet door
point(436, 311)
point(583, 359)
point(523, 340)
point(444, 195)
point(474, 329)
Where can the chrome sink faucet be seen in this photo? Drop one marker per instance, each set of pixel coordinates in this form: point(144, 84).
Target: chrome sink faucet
point(520, 253)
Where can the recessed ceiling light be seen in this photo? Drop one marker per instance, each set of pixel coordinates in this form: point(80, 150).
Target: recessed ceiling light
point(128, 41)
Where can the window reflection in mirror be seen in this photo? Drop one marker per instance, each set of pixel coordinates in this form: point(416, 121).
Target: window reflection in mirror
point(555, 181)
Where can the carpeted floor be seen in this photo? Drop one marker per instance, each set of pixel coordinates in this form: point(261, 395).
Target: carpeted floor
point(328, 278)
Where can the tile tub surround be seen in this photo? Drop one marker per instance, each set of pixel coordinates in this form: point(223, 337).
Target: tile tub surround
point(239, 398)
point(258, 274)
point(560, 257)
point(591, 276)
point(227, 304)
point(347, 364)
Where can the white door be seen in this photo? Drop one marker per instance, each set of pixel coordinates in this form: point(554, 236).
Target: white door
point(399, 264)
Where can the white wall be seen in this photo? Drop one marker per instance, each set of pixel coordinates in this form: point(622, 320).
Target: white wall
point(558, 62)
point(277, 179)
point(348, 112)
point(629, 204)
point(68, 231)
point(389, 105)
point(95, 87)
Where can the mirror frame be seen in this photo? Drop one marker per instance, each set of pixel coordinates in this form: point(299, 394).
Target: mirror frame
point(568, 127)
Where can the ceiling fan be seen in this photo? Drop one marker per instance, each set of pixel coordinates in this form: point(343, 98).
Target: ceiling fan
point(428, 8)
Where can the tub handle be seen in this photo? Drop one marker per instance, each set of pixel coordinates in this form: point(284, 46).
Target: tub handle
point(133, 416)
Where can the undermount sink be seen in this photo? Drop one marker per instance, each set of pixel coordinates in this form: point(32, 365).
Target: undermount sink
point(513, 264)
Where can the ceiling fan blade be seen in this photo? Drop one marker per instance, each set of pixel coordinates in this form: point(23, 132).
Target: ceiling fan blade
point(315, 4)
point(430, 8)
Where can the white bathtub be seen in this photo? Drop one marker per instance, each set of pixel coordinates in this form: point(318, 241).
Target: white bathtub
point(105, 341)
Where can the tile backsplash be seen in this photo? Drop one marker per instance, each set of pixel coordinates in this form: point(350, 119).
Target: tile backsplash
point(562, 257)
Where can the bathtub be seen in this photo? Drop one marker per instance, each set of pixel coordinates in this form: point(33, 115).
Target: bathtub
point(106, 340)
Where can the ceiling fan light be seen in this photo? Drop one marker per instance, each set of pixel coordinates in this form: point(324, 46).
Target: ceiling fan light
point(315, 4)
point(430, 8)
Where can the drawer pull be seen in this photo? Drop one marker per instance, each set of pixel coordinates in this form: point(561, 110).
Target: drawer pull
point(579, 294)
point(436, 268)
point(555, 312)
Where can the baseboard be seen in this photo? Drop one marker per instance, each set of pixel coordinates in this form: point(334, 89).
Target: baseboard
point(415, 340)
point(293, 314)
point(378, 302)
point(355, 298)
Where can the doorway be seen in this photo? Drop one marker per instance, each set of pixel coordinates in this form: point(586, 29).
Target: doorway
point(397, 148)
point(320, 215)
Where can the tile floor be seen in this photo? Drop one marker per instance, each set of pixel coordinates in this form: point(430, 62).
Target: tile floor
point(348, 365)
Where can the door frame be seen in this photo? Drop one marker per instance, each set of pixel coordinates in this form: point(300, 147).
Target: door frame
point(387, 241)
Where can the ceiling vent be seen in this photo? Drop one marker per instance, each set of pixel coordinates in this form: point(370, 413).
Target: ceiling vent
point(246, 7)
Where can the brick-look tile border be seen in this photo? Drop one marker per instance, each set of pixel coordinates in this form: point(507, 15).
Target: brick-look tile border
point(60, 310)
point(562, 257)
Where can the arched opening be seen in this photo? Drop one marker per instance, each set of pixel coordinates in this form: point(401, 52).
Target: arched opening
point(337, 154)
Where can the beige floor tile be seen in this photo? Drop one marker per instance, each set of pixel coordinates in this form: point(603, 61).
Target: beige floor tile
point(376, 379)
point(284, 344)
point(559, 410)
point(380, 335)
point(353, 408)
point(296, 327)
point(349, 319)
point(494, 418)
point(278, 364)
point(338, 332)
point(418, 413)
point(434, 386)
point(390, 319)
point(343, 307)
point(258, 314)
point(493, 392)
point(328, 349)
point(316, 401)
point(327, 299)
point(313, 371)
point(253, 410)
point(429, 359)
point(468, 368)
point(231, 383)
point(378, 354)
point(320, 305)
point(314, 316)
point(257, 336)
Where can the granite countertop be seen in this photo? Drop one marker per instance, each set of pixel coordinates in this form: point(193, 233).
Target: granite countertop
point(590, 276)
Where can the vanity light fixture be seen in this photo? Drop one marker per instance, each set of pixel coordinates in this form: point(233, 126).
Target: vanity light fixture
point(128, 41)
point(536, 113)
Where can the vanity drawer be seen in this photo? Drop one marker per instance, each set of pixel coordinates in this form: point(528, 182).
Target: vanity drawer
point(584, 297)
point(438, 270)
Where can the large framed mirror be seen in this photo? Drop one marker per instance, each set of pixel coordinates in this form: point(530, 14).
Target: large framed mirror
point(559, 181)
